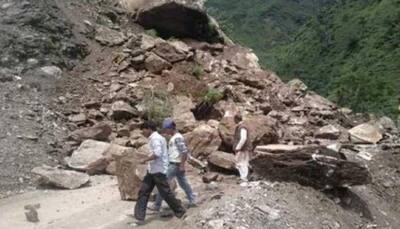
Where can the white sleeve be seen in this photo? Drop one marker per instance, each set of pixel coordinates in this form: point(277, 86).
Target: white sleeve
point(156, 147)
point(243, 139)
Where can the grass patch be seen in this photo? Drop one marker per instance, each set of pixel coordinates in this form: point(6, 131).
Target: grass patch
point(213, 96)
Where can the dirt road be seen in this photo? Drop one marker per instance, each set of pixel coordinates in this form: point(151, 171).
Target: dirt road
point(96, 207)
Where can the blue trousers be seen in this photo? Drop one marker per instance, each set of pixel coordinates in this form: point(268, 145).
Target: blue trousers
point(174, 172)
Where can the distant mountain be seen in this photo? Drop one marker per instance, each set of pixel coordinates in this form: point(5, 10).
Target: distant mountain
point(350, 53)
point(263, 24)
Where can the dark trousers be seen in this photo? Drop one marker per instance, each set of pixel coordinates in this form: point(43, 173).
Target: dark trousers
point(160, 181)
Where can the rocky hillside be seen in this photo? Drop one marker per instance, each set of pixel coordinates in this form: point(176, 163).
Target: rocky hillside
point(151, 64)
point(37, 41)
point(327, 44)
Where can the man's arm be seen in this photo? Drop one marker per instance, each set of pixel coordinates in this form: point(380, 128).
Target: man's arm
point(156, 150)
point(243, 139)
point(183, 151)
point(152, 157)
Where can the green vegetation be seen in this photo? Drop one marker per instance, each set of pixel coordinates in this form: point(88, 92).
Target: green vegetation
point(261, 24)
point(212, 96)
point(351, 54)
point(197, 71)
point(157, 106)
point(347, 50)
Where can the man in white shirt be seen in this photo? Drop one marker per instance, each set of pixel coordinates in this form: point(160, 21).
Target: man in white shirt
point(178, 155)
point(243, 148)
point(156, 175)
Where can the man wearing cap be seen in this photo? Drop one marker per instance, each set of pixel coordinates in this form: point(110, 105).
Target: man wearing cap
point(156, 175)
point(178, 155)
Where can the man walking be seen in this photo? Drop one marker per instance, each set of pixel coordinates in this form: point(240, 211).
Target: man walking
point(156, 175)
point(178, 155)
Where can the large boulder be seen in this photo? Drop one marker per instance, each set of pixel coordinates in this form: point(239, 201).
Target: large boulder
point(298, 121)
point(203, 140)
point(242, 58)
point(133, 5)
point(122, 110)
point(365, 133)
point(328, 132)
point(78, 118)
point(222, 160)
point(297, 85)
point(52, 71)
point(227, 125)
point(387, 125)
point(156, 64)
point(169, 52)
point(316, 166)
point(349, 119)
point(182, 114)
point(317, 102)
point(99, 132)
point(255, 79)
point(295, 134)
point(262, 130)
point(58, 178)
point(320, 106)
point(109, 37)
point(148, 42)
point(282, 116)
point(107, 163)
point(279, 148)
point(130, 173)
point(88, 153)
point(179, 19)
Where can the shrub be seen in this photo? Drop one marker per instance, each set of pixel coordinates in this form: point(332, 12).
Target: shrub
point(213, 96)
point(157, 106)
point(197, 71)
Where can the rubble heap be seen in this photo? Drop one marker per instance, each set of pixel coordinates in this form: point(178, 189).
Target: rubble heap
point(203, 86)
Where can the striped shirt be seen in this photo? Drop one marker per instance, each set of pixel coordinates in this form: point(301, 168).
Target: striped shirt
point(177, 148)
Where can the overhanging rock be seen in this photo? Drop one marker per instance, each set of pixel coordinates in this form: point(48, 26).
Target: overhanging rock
point(180, 19)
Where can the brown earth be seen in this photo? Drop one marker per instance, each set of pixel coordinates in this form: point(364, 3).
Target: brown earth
point(36, 120)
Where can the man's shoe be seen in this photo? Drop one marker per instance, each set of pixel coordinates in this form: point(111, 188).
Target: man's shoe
point(137, 223)
point(192, 205)
point(183, 217)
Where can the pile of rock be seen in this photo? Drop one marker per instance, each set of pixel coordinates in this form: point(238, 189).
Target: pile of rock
point(177, 76)
point(234, 211)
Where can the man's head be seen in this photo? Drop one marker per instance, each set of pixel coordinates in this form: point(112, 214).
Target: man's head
point(238, 117)
point(148, 127)
point(169, 126)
